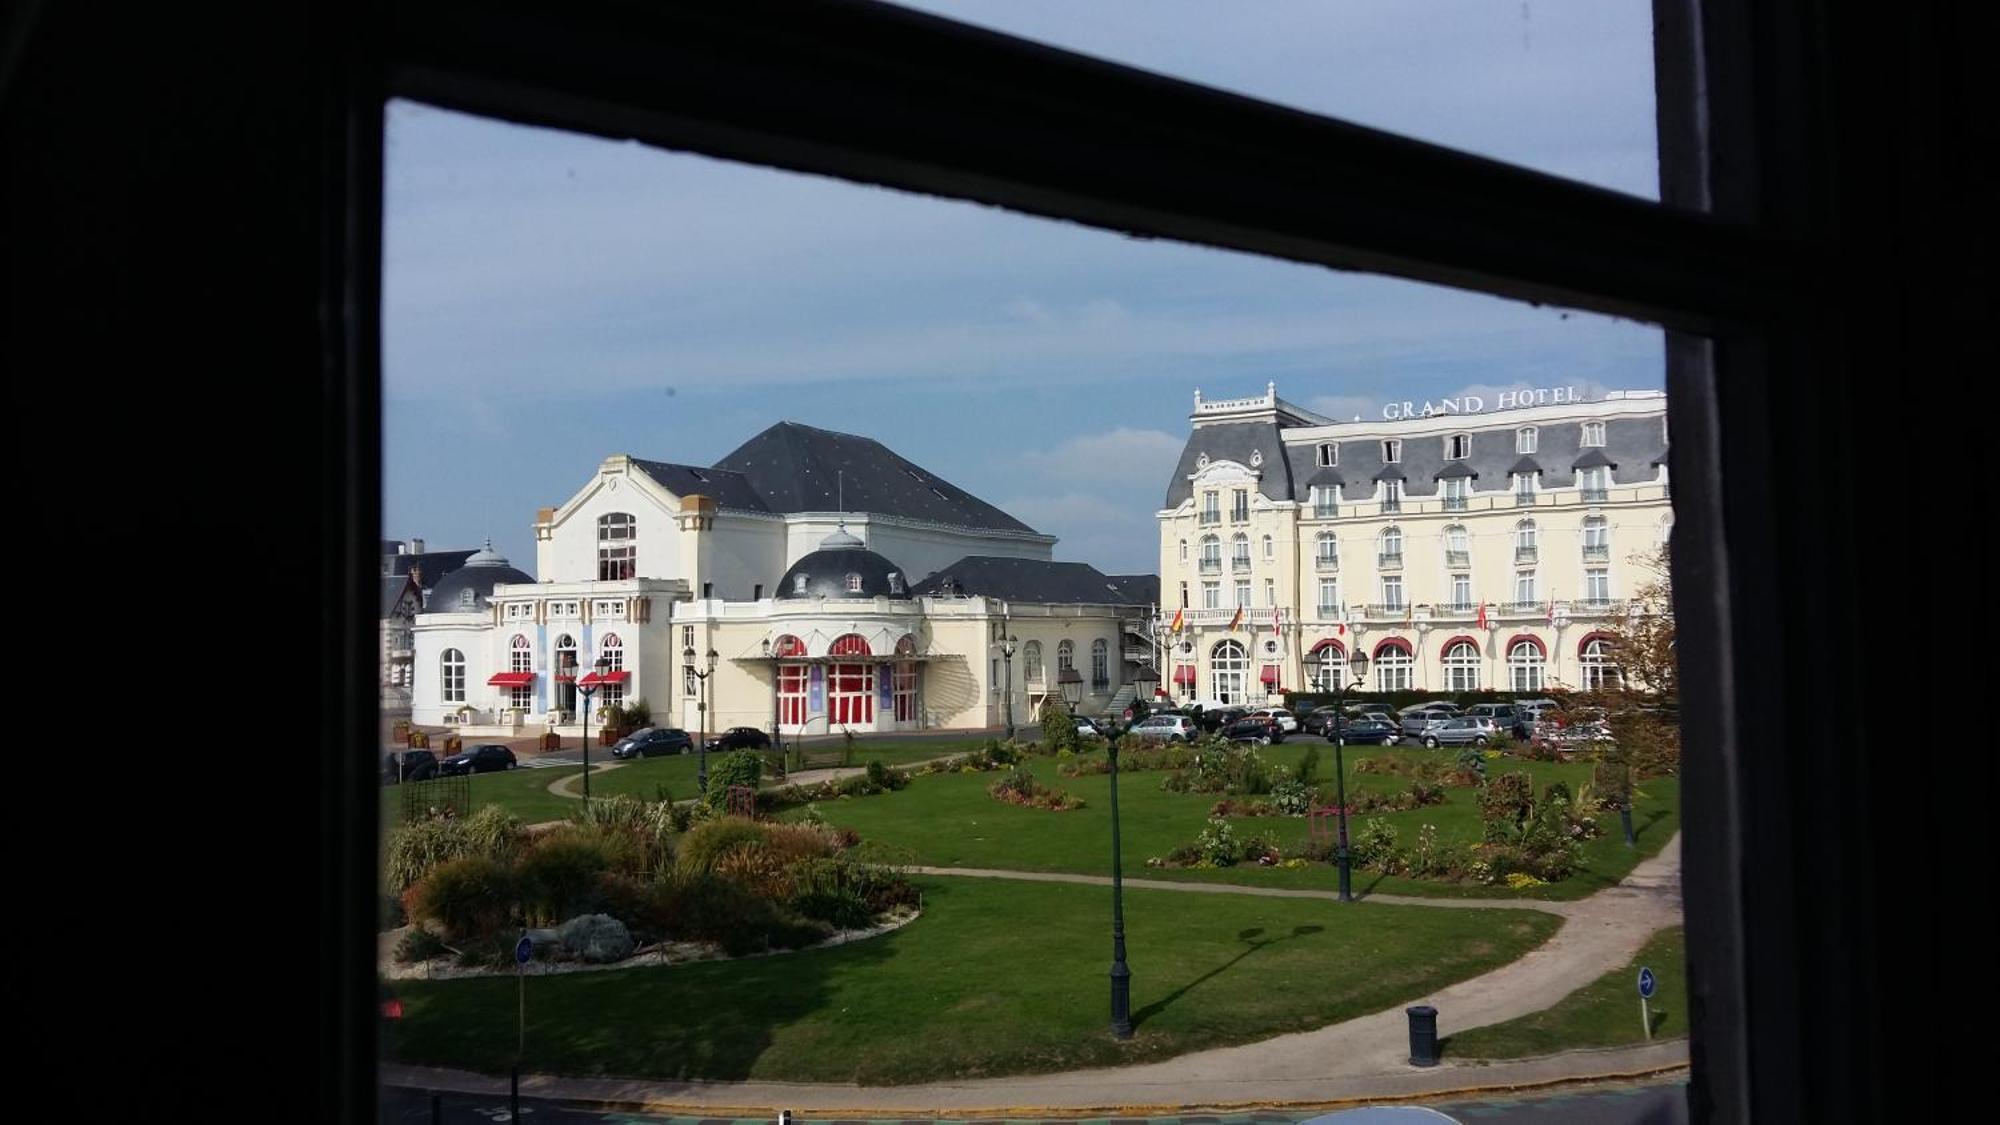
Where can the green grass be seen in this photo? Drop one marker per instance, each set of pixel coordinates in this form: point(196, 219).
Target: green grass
point(523, 792)
point(949, 821)
point(997, 977)
point(1604, 1013)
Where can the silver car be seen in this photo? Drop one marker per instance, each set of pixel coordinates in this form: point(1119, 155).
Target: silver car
point(1464, 730)
point(1167, 728)
point(1419, 724)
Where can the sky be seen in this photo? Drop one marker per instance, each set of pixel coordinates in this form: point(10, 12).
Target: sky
point(551, 299)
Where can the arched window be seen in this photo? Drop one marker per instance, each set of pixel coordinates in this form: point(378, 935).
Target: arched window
point(1600, 672)
point(788, 645)
point(1326, 665)
point(1239, 551)
point(617, 547)
point(1457, 544)
point(1392, 544)
point(1395, 666)
point(1326, 550)
point(565, 673)
point(520, 658)
point(1461, 666)
point(895, 581)
point(1458, 447)
point(1524, 439)
point(1270, 547)
point(612, 650)
point(1211, 552)
point(1100, 664)
point(1228, 667)
point(1031, 660)
point(792, 681)
point(798, 584)
point(905, 686)
point(1525, 665)
point(850, 686)
point(452, 675)
point(1183, 550)
point(854, 583)
point(1524, 536)
point(1593, 434)
point(1065, 657)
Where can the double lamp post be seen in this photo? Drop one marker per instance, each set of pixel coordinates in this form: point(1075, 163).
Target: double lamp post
point(1071, 682)
point(1358, 664)
point(687, 661)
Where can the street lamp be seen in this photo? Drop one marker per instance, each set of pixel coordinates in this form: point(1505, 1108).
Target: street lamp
point(687, 657)
point(1359, 664)
point(1006, 645)
point(777, 739)
point(1071, 682)
point(587, 688)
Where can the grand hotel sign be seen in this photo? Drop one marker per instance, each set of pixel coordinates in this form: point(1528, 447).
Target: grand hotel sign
point(1473, 404)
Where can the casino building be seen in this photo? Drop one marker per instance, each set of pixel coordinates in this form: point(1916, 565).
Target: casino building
point(1461, 551)
point(810, 581)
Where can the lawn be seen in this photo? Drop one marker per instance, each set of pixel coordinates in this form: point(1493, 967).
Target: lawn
point(949, 821)
point(1604, 1013)
point(996, 977)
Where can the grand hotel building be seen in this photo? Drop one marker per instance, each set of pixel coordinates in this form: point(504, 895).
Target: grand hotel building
point(1460, 551)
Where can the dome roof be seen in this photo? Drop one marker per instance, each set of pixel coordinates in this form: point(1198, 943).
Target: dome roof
point(842, 564)
point(484, 570)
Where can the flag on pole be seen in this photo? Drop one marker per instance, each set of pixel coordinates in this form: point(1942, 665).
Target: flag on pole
point(1552, 607)
point(1179, 614)
point(1236, 619)
point(1275, 626)
point(1482, 615)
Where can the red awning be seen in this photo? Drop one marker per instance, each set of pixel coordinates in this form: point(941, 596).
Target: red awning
point(1270, 675)
point(1184, 674)
point(512, 679)
point(596, 678)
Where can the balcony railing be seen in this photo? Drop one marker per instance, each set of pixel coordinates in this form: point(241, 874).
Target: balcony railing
point(1324, 563)
point(1389, 560)
point(1385, 610)
point(1392, 504)
point(1454, 503)
point(1524, 607)
point(1208, 517)
point(1598, 605)
point(1240, 562)
point(1524, 499)
point(1458, 558)
point(1239, 515)
point(1597, 551)
point(1454, 609)
point(1325, 511)
point(1211, 566)
point(1138, 654)
point(1524, 554)
point(1332, 611)
point(1595, 495)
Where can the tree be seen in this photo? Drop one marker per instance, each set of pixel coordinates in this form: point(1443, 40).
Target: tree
point(1058, 731)
point(1643, 644)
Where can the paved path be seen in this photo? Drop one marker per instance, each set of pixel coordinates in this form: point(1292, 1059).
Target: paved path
point(1364, 1058)
point(1565, 909)
point(569, 784)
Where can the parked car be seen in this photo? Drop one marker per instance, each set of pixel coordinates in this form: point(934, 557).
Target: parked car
point(408, 765)
point(489, 758)
point(1214, 719)
point(1370, 731)
point(1093, 728)
point(737, 738)
point(1504, 715)
point(1462, 730)
point(1261, 729)
point(649, 741)
point(1284, 718)
point(1418, 723)
point(1165, 728)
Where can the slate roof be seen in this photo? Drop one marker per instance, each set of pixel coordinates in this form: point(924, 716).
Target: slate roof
point(1392, 472)
point(797, 468)
point(1236, 441)
point(1662, 458)
point(1033, 580)
point(393, 588)
point(1524, 465)
point(435, 564)
point(825, 572)
point(1140, 589)
point(1455, 469)
point(1592, 458)
point(1326, 477)
point(727, 489)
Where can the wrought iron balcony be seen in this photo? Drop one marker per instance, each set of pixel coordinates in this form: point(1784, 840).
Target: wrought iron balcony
point(1325, 511)
point(1454, 609)
point(1455, 503)
point(1208, 518)
point(1386, 610)
point(1525, 554)
point(1239, 515)
point(1239, 562)
point(1597, 551)
point(1324, 563)
point(1211, 566)
point(1389, 560)
point(1524, 499)
point(1598, 605)
point(1392, 504)
point(1332, 611)
point(1524, 607)
point(1458, 558)
point(1595, 495)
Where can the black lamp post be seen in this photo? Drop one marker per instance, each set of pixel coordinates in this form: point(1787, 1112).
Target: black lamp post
point(1359, 664)
point(701, 707)
point(777, 739)
point(587, 688)
point(1006, 644)
point(1071, 682)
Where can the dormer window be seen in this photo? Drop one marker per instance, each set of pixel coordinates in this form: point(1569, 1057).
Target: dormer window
point(1524, 439)
point(466, 598)
point(895, 582)
point(1593, 434)
point(1392, 452)
point(1458, 447)
point(799, 584)
point(854, 583)
point(1329, 454)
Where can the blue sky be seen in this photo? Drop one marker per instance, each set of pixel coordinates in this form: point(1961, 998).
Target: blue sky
point(550, 299)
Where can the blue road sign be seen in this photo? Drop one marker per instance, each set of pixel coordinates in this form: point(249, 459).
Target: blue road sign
point(525, 949)
point(1646, 983)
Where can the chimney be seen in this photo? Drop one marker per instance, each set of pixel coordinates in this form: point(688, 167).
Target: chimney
point(416, 546)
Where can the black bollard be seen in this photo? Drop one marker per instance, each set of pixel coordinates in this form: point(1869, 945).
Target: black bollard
point(1423, 1035)
point(514, 1094)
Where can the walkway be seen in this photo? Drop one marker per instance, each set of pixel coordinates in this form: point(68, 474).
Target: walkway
point(1365, 1058)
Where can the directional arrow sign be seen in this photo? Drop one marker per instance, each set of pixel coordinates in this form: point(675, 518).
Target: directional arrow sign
point(524, 950)
point(1646, 983)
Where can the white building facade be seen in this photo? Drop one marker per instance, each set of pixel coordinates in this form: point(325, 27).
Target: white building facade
point(1461, 551)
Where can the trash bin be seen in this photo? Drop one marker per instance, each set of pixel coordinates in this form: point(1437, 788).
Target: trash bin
point(1423, 1035)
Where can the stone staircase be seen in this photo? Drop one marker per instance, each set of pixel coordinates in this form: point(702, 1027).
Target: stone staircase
point(1120, 699)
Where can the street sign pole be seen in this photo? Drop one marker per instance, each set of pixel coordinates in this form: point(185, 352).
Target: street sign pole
point(523, 949)
point(1646, 986)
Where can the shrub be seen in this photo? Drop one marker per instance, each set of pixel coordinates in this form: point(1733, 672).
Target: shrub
point(1291, 798)
point(639, 834)
point(418, 945)
point(709, 908)
point(885, 779)
point(738, 767)
point(706, 843)
point(1309, 765)
point(597, 938)
point(1217, 845)
point(1471, 761)
point(622, 897)
point(1058, 729)
point(467, 898)
point(1375, 845)
point(416, 846)
point(1019, 787)
point(558, 877)
point(1505, 802)
point(833, 891)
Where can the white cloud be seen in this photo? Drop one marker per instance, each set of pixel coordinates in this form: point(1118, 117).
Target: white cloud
point(1119, 456)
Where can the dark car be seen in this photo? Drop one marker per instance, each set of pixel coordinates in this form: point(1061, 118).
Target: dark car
point(408, 765)
point(739, 738)
point(1215, 720)
point(651, 741)
point(490, 758)
point(1260, 729)
point(1354, 729)
point(1093, 728)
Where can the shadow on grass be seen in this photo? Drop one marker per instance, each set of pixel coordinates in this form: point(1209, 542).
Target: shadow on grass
point(706, 1020)
point(1251, 943)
